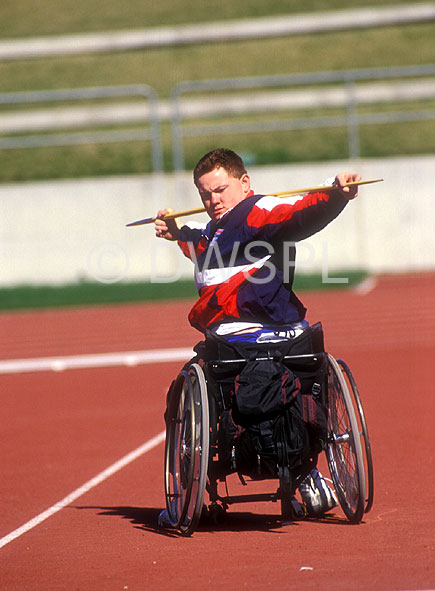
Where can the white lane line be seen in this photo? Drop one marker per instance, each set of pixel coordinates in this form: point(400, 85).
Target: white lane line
point(129, 358)
point(366, 286)
point(130, 457)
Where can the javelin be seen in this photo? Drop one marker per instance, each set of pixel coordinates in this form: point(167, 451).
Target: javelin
point(282, 194)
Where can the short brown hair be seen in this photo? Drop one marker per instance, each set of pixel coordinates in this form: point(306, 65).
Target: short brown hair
point(220, 158)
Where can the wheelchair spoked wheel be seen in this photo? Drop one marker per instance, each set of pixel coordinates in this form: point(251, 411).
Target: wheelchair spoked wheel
point(343, 448)
point(363, 433)
point(199, 456)
point(179, 432)
point(187, 450)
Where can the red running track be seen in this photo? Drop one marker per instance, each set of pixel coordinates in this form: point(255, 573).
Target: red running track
point(60, 429)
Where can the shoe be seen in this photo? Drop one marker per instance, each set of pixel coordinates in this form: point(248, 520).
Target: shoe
point(316, 494)
point(164, 520)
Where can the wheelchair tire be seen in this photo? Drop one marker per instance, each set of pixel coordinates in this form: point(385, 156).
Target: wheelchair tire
point(187, 450)
point(363, 433)
point(343, 447)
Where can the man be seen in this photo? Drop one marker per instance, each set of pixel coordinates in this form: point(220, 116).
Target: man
point(244, 262)
point(245, 255)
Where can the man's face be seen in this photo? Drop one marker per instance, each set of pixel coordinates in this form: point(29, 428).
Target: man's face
point(220, 192)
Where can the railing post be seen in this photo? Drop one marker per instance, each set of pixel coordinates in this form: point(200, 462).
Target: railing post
point(156, 142)
point(352, 120)
point(177, 133)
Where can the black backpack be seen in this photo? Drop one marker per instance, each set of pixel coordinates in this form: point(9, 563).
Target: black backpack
point(269, 415)
point(267, 409)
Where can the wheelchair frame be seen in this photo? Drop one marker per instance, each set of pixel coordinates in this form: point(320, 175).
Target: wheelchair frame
point(189, 454)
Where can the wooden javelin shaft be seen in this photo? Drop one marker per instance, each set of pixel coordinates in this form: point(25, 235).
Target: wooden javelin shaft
point(282, 194)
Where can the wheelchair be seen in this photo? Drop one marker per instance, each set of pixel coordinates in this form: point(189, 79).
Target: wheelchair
point(193, 465)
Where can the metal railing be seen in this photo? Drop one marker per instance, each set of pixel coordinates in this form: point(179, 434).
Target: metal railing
point(213, 99)
point(352, 120)
point(152, 133)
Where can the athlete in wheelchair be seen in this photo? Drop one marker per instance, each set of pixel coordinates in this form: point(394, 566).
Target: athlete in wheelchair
point(261, 398)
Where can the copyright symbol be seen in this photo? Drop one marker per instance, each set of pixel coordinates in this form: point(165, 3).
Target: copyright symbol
point(107, 262)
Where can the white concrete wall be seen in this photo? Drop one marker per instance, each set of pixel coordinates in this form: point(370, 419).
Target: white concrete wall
point(66, 231)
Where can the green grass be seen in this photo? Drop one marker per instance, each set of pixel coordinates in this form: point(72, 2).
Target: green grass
point(81, 294)
point(77, 16)
point(164, 68)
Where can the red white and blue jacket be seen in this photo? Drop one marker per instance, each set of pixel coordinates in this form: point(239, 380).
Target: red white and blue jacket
point(244, 263)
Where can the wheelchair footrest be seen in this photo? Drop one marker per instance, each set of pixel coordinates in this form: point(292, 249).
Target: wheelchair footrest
point(252, 498)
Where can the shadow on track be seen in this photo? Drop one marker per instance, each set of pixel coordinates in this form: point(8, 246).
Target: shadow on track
point(145, 518)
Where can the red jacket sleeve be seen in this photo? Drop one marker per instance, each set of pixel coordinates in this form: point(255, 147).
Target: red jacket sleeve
point(297, 217)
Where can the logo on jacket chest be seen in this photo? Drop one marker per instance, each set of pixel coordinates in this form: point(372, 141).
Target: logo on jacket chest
point(216, 236)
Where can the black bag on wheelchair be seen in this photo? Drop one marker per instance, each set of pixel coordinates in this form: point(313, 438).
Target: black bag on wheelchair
point(269, 415)
point(267, 406)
